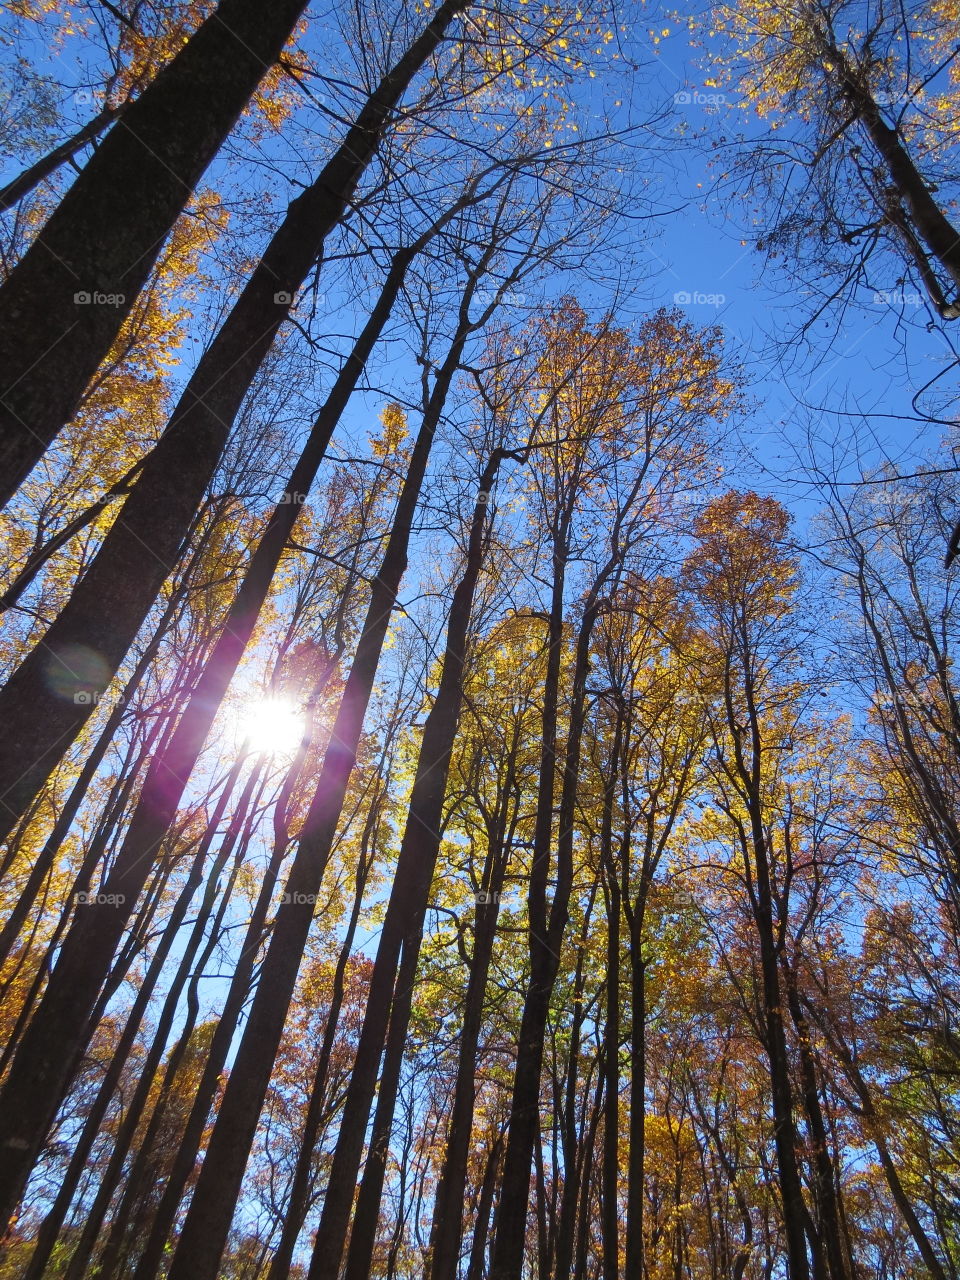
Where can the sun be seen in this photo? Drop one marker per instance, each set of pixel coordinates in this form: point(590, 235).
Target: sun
point(272, 726)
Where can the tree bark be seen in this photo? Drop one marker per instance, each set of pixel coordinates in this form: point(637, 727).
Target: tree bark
point(106, 233)
point(186, 1155)
point(53, 1221)
point(127, 1131)
point(927, 219)
point(296, 1209)
point(446, 1230)
point(109, 604)
point(402, 931)
point(54, 1028)
point(824, 1174)
point(545, 939)
point(211, 1211)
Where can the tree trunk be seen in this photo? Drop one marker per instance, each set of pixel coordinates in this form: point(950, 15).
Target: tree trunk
point(824, 1179)
point(446, 1230)
point(545, 938)
point(186, 1155)
point(481, 1229)
point(927, 218)
point(402, 929)
point(127, 1131)
point(571, 1142)
point(46, 859)
point(636, 1159)
point(781, 1092)
point(297, 1202)
point(52, 1223)
point(211, 1211)
point(610, 1167)
point(71, 985)
point(109, 604)
point(107, 232)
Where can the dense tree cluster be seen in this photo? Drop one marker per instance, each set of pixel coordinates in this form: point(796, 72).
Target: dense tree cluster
point(449, 829)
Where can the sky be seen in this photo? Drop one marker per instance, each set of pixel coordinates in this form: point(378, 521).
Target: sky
point(697, 252)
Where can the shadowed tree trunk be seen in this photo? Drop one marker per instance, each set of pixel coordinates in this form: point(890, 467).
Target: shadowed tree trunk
point(34, 174)
point(211, 1210)
point(610, 1162)
point(446, 1231)
point(823, 1171)
point(107, 232)
point(185, 1157)
point(402, 931)
point(54, 1220)
point(58, 1033)
point(545, 936)
point(570, 1131)
point(86, 644)
point(481, 1228)
point(297, 1203)
point(45, 861)
point(189, 969)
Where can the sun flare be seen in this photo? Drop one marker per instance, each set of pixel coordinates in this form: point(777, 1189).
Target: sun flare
point(272, 726)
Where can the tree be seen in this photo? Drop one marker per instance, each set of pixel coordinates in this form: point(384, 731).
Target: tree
point(92, 257)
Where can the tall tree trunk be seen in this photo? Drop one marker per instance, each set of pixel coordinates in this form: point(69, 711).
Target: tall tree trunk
point(108, 605)
point(511, 1227)
point(447, 1227)
point(111, 1176)
point(824, 1174)
point(571, 1140)
point(546, 935)
point(107, 232)
point(31, 177)
point(185, 1157)
point(927, 219)
point(584, 1216)
point(57, 1034)
point(53, 1221)
point(636, 1158)
point(610, 1161)
point(104, 830)
point(481, 1227)
point(211, 1210)
point(748, 763)
point(46, 860)
point(402, 930)
point(296, 1209)
point(874, 1126)
point(781, 1091)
